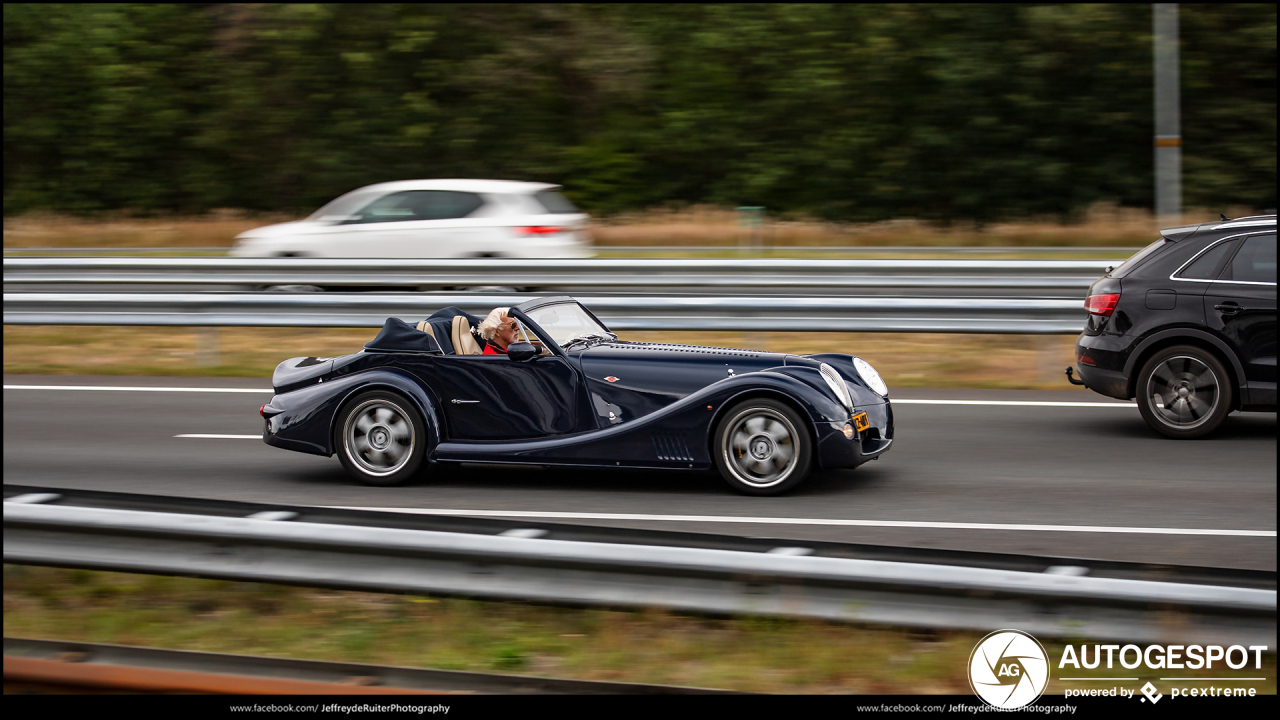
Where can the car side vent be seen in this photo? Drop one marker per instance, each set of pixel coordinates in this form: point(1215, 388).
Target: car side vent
point(662, 347)
point(671, 446)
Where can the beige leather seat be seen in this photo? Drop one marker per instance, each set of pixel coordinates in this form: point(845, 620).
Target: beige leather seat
point(464, 343)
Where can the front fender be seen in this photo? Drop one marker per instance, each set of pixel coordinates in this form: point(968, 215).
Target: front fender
point(304, 419)
point(806, 387)
point(803, 386)
point(843, 364)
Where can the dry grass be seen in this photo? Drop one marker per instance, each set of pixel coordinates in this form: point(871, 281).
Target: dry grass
point(751, 654)
point(1102, 226)
point(231, 352)
point(54, 231)
point(906, 360)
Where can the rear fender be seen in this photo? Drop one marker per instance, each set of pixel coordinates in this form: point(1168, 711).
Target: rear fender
point(1183, 335)
point(305, 419)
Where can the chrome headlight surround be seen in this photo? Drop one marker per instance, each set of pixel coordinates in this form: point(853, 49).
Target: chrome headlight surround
point(836, 383)
point(870, 376)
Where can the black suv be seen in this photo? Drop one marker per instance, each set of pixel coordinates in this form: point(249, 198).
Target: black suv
point(1187, 326)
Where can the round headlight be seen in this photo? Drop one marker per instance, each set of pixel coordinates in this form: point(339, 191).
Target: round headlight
point(836, 383)
point(870, 376)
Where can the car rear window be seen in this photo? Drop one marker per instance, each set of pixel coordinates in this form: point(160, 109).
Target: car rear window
point(1136, 259)
point(1256, 261)
point(554, 202)
point(1206, 266)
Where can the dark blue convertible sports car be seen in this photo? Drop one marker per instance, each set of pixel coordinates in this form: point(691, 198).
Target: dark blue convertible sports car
point(572, 394)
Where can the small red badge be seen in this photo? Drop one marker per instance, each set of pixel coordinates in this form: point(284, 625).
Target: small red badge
point(611, 379)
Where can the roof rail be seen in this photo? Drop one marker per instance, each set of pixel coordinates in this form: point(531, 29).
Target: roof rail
point(1253, 217)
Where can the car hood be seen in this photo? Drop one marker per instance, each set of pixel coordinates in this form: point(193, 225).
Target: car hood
point(286, 229)
point(627, 380)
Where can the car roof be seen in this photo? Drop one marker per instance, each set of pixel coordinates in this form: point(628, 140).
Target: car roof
point(1240, 222)
point(1252, 221)
point(464, 185)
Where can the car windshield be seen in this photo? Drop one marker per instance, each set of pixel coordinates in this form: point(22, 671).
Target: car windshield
point(566, 321)
point(344, 206)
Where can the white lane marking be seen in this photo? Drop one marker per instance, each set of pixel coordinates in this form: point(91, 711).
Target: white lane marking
point(207, 436)
point(1025, 403)
point(136, 389)
point(821, 521)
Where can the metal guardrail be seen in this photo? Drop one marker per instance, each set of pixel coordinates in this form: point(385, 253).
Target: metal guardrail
point(564, 529)
point(1039, 276)
point(691, 579)
point(59, 665)
point(895, 249)
point(701, 313)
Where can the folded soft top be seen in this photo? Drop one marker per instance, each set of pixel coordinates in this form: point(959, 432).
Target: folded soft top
point(399, 336)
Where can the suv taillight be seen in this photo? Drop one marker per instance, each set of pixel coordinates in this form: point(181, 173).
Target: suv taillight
point(539, 230)
point(1102, 305)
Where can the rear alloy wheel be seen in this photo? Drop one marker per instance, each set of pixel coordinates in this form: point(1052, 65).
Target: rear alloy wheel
point(761, 447)
point(380, 438)
point(1184, 392)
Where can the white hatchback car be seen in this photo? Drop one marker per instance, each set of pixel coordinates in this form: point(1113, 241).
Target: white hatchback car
point(431, 219)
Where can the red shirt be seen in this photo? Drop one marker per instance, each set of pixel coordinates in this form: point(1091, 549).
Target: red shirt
point(492, 350)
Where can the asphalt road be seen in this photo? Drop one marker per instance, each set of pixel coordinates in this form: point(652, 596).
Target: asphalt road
point(993, 466)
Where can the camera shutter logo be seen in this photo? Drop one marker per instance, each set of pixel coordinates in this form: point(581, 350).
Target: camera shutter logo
point(1008, 669)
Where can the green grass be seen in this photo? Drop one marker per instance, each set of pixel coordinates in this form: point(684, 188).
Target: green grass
point(754, 654)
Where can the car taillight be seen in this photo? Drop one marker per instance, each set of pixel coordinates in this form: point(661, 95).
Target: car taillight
point(1102, 304)
point(538, 230)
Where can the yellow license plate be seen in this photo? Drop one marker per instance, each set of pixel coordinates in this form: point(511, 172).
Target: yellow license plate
point(861, 422)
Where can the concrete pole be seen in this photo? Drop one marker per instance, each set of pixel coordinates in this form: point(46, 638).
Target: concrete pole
point(1168, 115)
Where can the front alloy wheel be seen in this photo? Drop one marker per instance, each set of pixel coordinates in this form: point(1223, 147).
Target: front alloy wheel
point(1184, 392)
point(381, 440)
point(762, 447)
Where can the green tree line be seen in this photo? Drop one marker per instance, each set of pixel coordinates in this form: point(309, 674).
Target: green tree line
point(845, 112)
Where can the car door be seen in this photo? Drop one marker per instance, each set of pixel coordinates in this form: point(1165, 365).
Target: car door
point(1241, 306)
point(490, 397)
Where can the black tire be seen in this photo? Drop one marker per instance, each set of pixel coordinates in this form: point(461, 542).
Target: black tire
point(761, 447)
point(380, 438)
point(1184, 392)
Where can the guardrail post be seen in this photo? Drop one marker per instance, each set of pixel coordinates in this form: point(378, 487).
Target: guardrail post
point(207, 347)
point(751, 217)
point(1049, 358)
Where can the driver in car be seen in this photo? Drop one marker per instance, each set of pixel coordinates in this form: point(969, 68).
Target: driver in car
point(499, 330)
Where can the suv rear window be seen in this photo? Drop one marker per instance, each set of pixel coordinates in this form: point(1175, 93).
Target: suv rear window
point(1136, 259)
point(1207, 265)
point(554, 202)
point(1256, 261)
